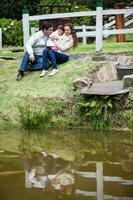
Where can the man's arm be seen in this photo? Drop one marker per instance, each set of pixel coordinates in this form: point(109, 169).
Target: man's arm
point(29, 46)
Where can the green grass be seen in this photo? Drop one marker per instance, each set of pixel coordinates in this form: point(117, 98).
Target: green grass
point(32, 84)
point(7, 51)
point(11, 91)
point(10, 54)
point(108, 48)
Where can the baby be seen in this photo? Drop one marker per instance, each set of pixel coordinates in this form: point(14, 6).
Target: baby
point(55, 37)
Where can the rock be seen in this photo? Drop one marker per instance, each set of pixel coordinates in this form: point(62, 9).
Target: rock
point(80, 57)
point(106, 73)
point(124, 60)
point(82, 82)
point(131, 61)
point(17, 50)
point(128, 81)
point(105, 88)
point(98, 58)
point(121, 59)
point(123, 70)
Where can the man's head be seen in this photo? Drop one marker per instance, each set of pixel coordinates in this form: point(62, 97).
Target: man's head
point(47, 28)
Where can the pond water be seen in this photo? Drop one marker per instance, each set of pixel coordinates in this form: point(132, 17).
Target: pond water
point(66, 164)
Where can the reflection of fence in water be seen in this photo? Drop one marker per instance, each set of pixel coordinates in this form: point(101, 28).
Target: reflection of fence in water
point(102, 186)
point(101, 180)
point(97, 181)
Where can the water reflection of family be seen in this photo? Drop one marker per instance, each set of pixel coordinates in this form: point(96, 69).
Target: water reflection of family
point(49, 172)
point(46, 46)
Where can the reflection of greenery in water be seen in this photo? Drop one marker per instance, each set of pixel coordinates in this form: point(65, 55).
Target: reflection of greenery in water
point(71, 145)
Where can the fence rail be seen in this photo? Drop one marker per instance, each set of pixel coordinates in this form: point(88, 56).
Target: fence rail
point(80, 14)
point(108, 25)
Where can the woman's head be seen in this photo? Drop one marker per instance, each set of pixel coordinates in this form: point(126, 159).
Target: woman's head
point(69, 30)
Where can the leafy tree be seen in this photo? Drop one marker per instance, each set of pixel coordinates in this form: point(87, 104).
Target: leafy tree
point(106, 3)
point(44, 6)
point(75, 6)
point(13, 9)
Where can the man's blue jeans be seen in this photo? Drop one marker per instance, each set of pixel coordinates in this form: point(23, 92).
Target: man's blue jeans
point(54, 57)
point(41, 62)
point(26, 65)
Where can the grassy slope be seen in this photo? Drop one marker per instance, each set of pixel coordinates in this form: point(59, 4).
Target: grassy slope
point(11, 90)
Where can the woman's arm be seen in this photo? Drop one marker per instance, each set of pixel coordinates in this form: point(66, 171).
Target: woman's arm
point(64, 44)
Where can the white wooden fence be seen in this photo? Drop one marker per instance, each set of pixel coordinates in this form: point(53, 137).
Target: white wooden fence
point(81, 31)
point(110, 24)
point(98, 33)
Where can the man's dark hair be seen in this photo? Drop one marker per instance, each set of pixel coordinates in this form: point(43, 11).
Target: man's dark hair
point(46, 25)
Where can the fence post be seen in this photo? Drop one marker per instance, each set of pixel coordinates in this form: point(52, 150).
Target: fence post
point(84, 32)
point(99, 26)
point(0, 38)
point(26, 31)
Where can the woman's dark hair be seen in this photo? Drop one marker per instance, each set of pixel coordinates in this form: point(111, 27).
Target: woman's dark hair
point(46, 25)
point(73, 32)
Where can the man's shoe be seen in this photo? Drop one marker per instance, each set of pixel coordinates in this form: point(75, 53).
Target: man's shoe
point(44, 72)
point(20, 76)
point(54, 71)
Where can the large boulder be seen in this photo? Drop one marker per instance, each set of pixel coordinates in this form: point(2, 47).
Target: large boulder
point(121, 59)
point(128, 80)
point(106, 73)
point(82, 82)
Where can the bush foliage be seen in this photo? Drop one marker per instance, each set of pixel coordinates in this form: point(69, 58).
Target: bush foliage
point(12, 33)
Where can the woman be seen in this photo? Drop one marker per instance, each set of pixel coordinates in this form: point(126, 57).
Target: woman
point(64, 43)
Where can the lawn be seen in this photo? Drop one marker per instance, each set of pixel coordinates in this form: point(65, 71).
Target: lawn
point(109, 47)
point(11, 91)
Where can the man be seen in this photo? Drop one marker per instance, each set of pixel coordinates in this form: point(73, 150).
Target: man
point(33, 58)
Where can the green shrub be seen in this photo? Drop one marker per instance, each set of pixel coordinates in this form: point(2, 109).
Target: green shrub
point(97, 111)
point(34, 114)
point(128, 116)
point(12, 32)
